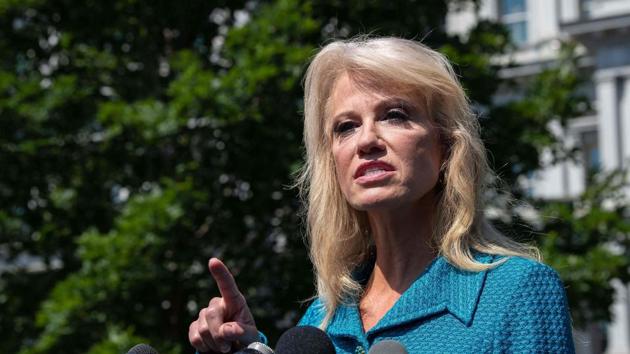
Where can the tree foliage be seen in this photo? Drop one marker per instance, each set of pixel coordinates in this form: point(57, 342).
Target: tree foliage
point(141, 138)
point(587, 240)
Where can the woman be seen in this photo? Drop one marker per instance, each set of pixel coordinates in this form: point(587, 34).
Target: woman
point(394, 177)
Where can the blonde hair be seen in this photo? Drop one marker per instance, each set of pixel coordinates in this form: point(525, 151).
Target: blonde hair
point(339, 235)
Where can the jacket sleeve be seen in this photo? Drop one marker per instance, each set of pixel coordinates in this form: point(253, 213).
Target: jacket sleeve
point(536, 319)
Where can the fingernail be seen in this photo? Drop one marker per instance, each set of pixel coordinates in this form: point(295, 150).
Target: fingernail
point(225, 348)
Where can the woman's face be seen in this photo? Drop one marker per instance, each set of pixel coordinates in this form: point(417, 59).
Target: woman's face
point(386, 150)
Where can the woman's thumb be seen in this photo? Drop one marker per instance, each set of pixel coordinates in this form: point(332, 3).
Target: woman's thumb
point(244, 334)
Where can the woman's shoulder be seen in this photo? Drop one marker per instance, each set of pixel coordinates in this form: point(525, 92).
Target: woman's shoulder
point(529, 305)
point(314, 313)
point(524, 281)
point(517, 269)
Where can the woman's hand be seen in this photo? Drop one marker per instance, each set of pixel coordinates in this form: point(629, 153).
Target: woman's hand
point(226, 320)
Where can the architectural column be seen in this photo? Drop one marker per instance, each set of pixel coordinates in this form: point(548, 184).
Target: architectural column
point(569, 10)
point(624, 113)
point(619, 328)
point(613, 106)
point(607, 113)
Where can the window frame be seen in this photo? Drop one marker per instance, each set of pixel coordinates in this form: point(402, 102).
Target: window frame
point(514, 18)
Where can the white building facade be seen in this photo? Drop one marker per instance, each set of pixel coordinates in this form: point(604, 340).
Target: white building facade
point(602, 27)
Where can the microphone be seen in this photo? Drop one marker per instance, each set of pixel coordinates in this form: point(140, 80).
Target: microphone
point(305, 340)
point(256, 348)
point(388, 347)
point(142, 349)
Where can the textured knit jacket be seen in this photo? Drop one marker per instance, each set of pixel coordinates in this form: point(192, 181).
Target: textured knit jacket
point(518, 307)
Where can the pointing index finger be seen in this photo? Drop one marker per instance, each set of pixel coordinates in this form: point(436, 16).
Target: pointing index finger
point(225, 281)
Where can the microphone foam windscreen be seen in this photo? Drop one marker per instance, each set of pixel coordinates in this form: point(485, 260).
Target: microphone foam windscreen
point(304, 340)
point(142, 349)
point(388, 347)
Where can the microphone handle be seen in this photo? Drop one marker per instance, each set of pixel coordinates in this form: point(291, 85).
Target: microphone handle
point(256, 348)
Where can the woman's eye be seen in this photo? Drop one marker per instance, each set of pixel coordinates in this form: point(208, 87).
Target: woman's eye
point(396, 114)
point(344, 127)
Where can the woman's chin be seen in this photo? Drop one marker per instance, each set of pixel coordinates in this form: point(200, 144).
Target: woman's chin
point(392, 199)
point(377, 203)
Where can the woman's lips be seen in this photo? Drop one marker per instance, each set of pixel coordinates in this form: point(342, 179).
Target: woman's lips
point(373, 171)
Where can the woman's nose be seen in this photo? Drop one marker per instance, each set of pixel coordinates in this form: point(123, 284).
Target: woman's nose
point(369, 140)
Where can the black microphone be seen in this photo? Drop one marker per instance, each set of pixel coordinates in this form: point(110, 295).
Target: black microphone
point(305, 340)
point(142, 349)
point(388, 347)
point(256, 348)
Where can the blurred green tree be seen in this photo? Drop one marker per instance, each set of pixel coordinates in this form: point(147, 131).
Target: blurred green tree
point(141, 138)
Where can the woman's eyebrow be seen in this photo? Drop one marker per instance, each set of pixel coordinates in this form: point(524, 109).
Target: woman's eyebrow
point(338, 116)
point(395, 102)
point(388, 102)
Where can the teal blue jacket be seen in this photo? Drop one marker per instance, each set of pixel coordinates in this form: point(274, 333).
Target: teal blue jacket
point(518, 307)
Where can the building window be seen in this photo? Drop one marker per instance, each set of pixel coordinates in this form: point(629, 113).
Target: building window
point(513, 13)
point(590, 152)
point(586, 8)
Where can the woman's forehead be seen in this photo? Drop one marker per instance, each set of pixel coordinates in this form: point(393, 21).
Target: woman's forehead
point(372, 82)
point(347, 85)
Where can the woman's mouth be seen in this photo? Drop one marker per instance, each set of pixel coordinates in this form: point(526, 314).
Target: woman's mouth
point(372, 172)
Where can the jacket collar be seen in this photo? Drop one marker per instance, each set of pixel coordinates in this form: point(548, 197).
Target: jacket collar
point(441, 287)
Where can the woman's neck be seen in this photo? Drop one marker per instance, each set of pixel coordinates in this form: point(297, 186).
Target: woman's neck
point(403, 251)
point(403, 240)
